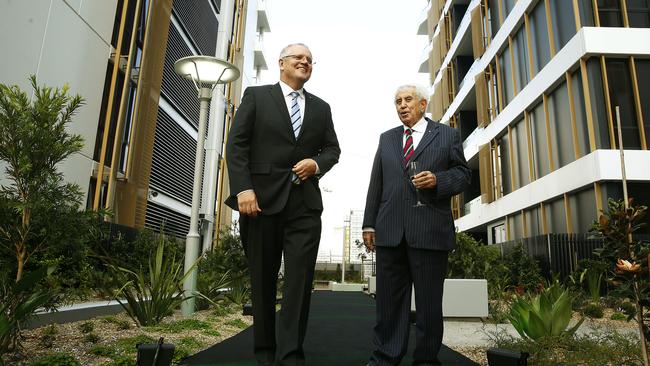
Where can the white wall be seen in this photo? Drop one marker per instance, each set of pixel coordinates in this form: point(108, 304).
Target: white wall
point(61, 41)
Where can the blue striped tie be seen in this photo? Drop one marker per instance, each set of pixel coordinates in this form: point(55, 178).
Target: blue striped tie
point(296, 119)
point(296, 123)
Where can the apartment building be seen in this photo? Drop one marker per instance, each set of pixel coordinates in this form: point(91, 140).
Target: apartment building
point(140, 119)
point(533, 87)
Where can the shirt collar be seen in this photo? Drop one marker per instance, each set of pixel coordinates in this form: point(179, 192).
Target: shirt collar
point(286, 89)
point(418, 127)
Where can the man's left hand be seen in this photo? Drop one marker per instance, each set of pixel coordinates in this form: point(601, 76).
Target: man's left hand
point(425, 180)
point(305, 168)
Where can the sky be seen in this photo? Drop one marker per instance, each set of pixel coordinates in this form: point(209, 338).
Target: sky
point(363, 50)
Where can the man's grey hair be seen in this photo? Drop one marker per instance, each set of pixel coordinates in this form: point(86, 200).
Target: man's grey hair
point(420, 91)
point(285, 51)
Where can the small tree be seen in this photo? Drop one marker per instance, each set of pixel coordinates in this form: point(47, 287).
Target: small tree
point(33, 140)
point(627, 259)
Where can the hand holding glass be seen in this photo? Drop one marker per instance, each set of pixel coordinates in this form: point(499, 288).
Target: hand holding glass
point(413, 171)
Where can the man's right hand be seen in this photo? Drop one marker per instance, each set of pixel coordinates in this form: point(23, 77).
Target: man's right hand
point(247, 202)
point(369, 240)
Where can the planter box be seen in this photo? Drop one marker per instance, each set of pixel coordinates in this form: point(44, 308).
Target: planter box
point(372, 285)
point(463, 298)
point(335, 286)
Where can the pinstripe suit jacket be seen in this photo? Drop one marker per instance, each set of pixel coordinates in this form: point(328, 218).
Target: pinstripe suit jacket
point(391, 195)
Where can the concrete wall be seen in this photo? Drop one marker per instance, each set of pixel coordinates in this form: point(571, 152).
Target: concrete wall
point(61, 41)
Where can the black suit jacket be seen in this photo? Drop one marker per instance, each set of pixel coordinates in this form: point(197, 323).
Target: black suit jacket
point(262, 148)
point(391, 195)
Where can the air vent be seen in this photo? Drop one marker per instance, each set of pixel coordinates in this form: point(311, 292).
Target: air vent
point(160, 218)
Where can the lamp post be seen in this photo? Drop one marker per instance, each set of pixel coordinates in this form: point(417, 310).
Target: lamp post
point(206, 72)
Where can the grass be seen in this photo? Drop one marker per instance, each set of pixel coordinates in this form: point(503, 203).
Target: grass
point(600, 347)
point(236, 323)
point(180, 326)
point(86, 327)
point(103, 350)
point(120, 323)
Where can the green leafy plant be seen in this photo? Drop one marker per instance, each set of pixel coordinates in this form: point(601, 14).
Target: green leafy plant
point(523, 270)
point(618, 316)
point(593, 311)
point(547, 313)
point(86, 327)
point(19, 302)
point(56, 359)
point(149, 298)
point(627, 258)
point(33, 140)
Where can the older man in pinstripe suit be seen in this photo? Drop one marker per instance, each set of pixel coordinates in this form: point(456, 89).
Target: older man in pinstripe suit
point(412, 241)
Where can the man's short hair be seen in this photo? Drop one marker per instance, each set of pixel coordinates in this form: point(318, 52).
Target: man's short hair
point(420, 91)
point(285, 51)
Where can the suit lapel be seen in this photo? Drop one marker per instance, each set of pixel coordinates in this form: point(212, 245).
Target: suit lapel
point(276, 94)
point(429, 135)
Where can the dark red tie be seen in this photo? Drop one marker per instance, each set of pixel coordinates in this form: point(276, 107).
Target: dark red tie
point(408, 145)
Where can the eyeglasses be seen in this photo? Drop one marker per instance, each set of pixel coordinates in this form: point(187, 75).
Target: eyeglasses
point(300, 58)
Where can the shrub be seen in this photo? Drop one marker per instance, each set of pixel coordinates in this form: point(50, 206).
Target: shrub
point(86, 327)
point(56, 359)
point(593, 311)
point(618, 316)
point(91, 338)
point(149, 298)
point(523, 271)
point(19, 302)
point(545, 314)
point(102, 350)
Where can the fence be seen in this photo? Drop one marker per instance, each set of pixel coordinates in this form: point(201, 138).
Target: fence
point(558, 253)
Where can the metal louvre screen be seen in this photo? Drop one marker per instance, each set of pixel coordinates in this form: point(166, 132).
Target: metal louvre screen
point(174, 151)
point(179, 92)
point(200, 23)
point(160, 218)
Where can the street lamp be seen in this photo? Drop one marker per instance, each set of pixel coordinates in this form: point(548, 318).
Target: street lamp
point(205, 72)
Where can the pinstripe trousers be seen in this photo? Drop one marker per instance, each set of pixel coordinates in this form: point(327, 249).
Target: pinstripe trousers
point(398, 269)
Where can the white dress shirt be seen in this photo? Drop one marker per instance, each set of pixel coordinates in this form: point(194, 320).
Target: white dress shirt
point(286, 91)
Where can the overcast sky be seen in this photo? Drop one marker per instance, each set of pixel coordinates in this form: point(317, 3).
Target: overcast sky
point(363, 50)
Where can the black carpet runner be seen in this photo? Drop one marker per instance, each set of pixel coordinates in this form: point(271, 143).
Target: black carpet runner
point(339, 334)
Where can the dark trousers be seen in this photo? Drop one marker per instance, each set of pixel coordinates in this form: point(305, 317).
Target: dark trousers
point(295, 232)
point(399, 268)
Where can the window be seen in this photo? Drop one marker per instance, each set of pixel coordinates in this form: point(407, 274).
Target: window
point(561, 133)
point(539, 36)
point(583, 210)
point(520, 153)
point(507, 7)
point(564, 24)
point(557, 216)
point(538, 133)
point(534, 221)
point(505, 71)
point(495, 23)
point(586, 10)
point(522, 64)
point(642, 75)
point(516, 226)
point(638, 13)
point(581, 114)
point(609, 13)
point(621, 95)
point(598, 109)
point(504, 157)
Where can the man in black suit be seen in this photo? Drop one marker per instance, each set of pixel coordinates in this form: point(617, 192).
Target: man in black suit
point(281, 141)
point(412, 241)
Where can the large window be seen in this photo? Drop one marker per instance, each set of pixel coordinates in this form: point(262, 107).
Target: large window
point(586, 10)
point(540, 148)
point(609, 13)
point(539, 37)
point(564, 24)
point(638, 13)
point(598, 109)
point(505, 71)
point(506, 173)
point(534, 221)
point(642, 76)
point(583, 210)
point(582, 128)
point(561, 129)
point(522, 64)
point(495, 22)
point(520, 153)
point(557, 216)
point(621, 95)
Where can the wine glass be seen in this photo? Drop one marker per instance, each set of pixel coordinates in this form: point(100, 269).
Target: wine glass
point(413, 171)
